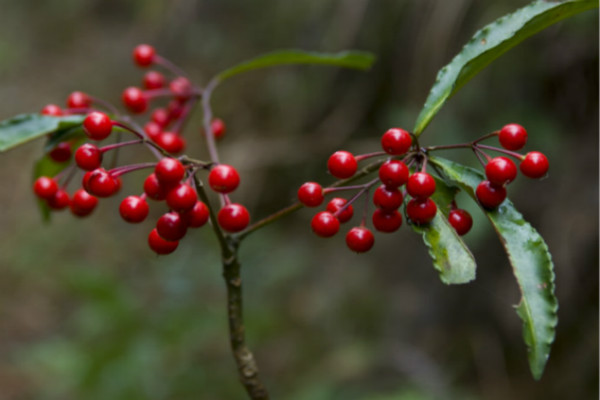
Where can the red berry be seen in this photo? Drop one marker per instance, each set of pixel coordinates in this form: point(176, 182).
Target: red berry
point(420, 185)
point(386, 221)
point(335, 205)
point(388, 199)
point(512, 137)
point(325, 224)
point(169, 171)
point(393, 173)
point(61, 152)
point(154, 189)
point(342, 164)
point(153, 130)
point(197, 216)
point(181, 198)
point(489, 195)
point(233, 217)
point(171, 226)
point(360, 239)
point(85, 182)
point(134, 209)
point(45, 187)
point(83, 203)
point(171, 142)
point(218, 128)
point(396, 141)
point(153, 80)
point(97, 125)
point(143, 55)
point(181, 88)
point(52, 110)
point(59, 201)
point(161, 116)
point(88, 157)
point(175, 108)
point(460, 220)
point(421, 211)
point(534, 165)
point(223, 178)
point(500, 171)
point(78, 100)
point(135, 100)
point(310, 194)
point(160, 245)
point(101, 184)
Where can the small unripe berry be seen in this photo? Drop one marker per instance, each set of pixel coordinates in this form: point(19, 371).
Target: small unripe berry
point(82, 203)
point(153, 80)
point(223, 178)
point(512, 137)
point(134, 209)
point(135, 100)
point(360, 239)
point(336, 204)
point(61, 152)
point(45, 187)
point(489, 195)
point(420, 185)
point(233, 217)
point(143, 55)
point(78, 100)
point(171, 226)
point(534, 165)
point(97, 125)
point(324, 224)
point(386, 221)
point(88, 157)
point(421, 211)
point(52, 110)
point(396, 141)
point(310, 194)
point(500, 171)
point(393, 173)
point(461, 221)
point(159, 245)
point(342, 164)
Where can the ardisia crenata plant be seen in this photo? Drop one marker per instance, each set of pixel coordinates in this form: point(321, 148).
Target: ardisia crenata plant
point(404, 180)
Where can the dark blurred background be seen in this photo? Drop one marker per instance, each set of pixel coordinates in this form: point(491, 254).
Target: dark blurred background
point(88, 312)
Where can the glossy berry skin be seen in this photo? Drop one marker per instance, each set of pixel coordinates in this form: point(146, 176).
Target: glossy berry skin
point(181, 198)
point(175, 108)
point(171, 226)
point(360, 239)
point(143, 55)
point(501, 171)
point(171, 142)
point(386, 221)
point(461, 221)
point(336, 204)
point(161, 116)
point(61, 152)
point(421, 211)
point(45, 187)
point(534, 165)
point(82, 203)
point(169, 171)
point(310, 194)
point(78, 100)
point(396, 141)
point(134, 209)
point(233, 217)
point(197, 216)
point(393, 173)
point(153, 80)
point(388, 199)
point(512, 137)
point(154, 189)
point(59, 201)
point(218, 128)
point(52, 110)
point(135, 100)
point(153, 130)
point(97, 125)
point(324, 224)
point(420, 185)
point(223, 178)
point(181, 88)
point(159, 245)
point(102, 184)
point(88, 157)
point(342, 164)
point(489, 195)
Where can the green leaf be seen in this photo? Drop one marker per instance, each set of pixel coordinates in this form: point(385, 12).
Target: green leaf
point(25, 127)
point(346, 59)
point(490, 43)
point(531, 262)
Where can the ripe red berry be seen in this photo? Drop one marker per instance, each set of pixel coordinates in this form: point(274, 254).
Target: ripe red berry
point(534, 165)
point(154, 189)
point(421, 211)
point(59, 201)
point(393, 173)
point(52, 110)
point(153, 80)
point(101, 184)
point(97, 125)
point(233, 217)
point(218, 128)
point(310, 194)
point(82, 203)
point(45, 187)
point(396, 141)
point(360, 239)
point(175, 108)
point(181, 198)
point(500, 171)
point(460, 220)
point(512, 137)
point(134, 209)
point(61, 152)
point(143, 55)
point(388, 199)
point(78, 100)
point(169, 171)
point(420, 185)
point(181, 88)
point(88, 157)
point(335, 205)
point(489, 195)
point(223, 178)
point(342, 164)
point(171, 226)
point(171, 142)
point(386, 221)
point(135, 100)
point(161, 116)
point(153, 130)
point(159, 245)
point(197, 216)
point(325, 224)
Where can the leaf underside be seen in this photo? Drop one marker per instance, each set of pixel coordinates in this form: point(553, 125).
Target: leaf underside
point(26, 127)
